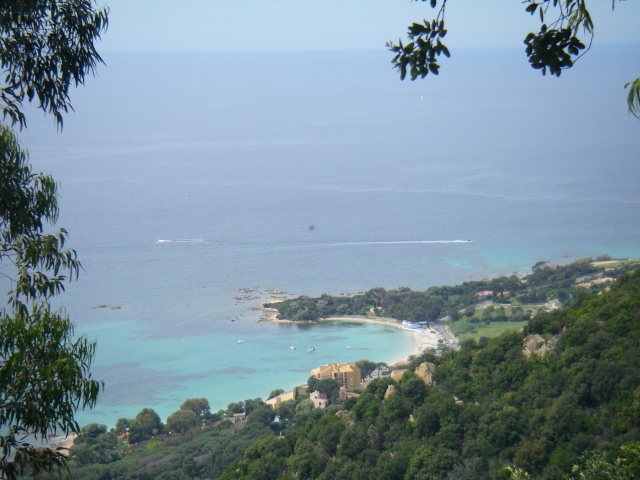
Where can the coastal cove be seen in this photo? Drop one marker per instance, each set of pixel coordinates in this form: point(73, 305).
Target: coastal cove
point(257, 359)
point(316, 173)
point(487, 391)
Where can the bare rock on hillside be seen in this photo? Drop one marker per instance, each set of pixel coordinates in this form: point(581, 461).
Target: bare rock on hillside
point(390, 390)
point(536, 345)
point(425, 372)
point(346, 416)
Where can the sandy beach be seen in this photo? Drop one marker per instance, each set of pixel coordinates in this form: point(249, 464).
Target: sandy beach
point(422, 339)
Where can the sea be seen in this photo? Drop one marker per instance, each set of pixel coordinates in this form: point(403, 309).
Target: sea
point(194, 185)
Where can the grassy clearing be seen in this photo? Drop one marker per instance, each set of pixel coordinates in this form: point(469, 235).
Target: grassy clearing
point(492, 330)
point(615, 262)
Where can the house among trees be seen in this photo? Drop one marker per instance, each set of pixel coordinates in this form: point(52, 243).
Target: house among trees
point(597, 281)
point(237, 418)
point(319, 399)
point(322, 400)
point(484, 294)
point(283, 397)
point(346, 374)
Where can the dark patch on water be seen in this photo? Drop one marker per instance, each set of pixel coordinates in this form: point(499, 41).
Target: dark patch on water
point(298, 370)
point(233, 370)
point(125, 378)
point(329, 339)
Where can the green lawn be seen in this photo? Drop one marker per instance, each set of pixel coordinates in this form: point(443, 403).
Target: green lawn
point(492, 330)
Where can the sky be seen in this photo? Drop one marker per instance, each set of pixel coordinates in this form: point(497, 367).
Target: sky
point(303, 25)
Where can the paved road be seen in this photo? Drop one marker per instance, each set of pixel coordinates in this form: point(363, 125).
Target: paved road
point(553, 304)
point(447, 336)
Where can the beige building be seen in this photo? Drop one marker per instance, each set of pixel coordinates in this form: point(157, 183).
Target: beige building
point(319, 400)
point(346, 374)
point(285, 397)
point(484, 294)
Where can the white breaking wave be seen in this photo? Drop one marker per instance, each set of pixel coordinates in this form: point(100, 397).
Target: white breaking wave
point(182, 240)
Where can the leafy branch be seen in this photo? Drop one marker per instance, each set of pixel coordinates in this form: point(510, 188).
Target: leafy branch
point(557, 46)
point(28, 202)
point(554, 48)
point(633, 98)
point(45, 46)
point(419, 57)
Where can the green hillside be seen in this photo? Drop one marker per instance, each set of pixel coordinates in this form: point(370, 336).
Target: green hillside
point(468, 305)
point(490, 406)
point(570, 398)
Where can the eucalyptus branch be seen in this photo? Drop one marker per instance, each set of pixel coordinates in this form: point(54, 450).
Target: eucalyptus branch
point(633, 98)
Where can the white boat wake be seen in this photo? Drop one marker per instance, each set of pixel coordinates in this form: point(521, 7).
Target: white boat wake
point(183, 240)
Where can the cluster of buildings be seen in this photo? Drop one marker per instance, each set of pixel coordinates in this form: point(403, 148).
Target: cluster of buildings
point(348, 376)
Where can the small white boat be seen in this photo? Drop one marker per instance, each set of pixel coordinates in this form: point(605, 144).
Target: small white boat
point(292, 348)
point(240, 341)
point(311, 349)
point(348, 347)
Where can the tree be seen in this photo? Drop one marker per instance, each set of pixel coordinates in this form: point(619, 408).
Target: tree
point(44, 378)
point(122, 425)
point(93, 430)
point(366, 368)
point(327, 387)
point(46, 45)
point(44, 370)
point(200, 406)
point(275, 393)
point(312, 383)
point(150, 421)
point(413, 388)
point(250, 404)
point(146, 425)
point(95, 445)
point(554, 48)
point(235, 407)
point(27, 202)
point(182, 420)
point(595, 465)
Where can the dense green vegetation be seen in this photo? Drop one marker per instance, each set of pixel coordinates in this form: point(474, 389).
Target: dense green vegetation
point(491, 406)
point(491, 412)
point(194, 443)
point(512, 298)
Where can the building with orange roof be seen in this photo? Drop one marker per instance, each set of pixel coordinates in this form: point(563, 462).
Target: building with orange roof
point(346, 374)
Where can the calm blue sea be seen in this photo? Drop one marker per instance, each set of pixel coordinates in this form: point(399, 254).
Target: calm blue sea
point(313, 173)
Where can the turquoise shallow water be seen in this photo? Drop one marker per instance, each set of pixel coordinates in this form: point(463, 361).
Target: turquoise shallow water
point(317, 173)
point(215, 366)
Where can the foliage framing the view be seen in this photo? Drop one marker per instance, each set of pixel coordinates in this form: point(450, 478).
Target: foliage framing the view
point(44, 370)
point(554, 48)
point(46, 46)
point(44, 379)
point(28, 201)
